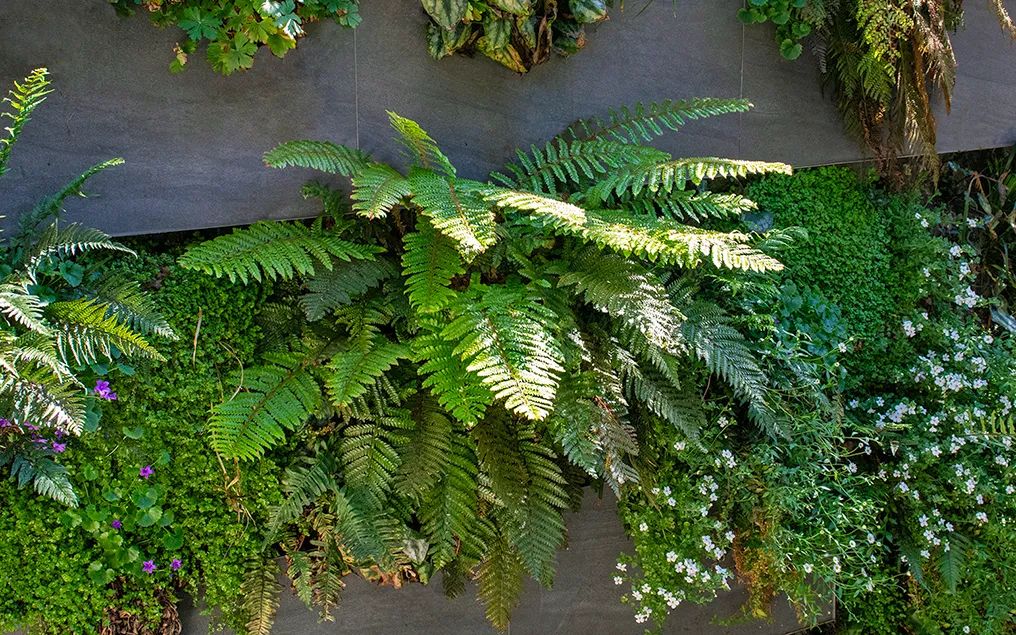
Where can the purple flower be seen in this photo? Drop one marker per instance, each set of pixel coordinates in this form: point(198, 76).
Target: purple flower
point(29, 426)
point(58, 433)
point(37, 439)
point(146, 471)
point(59, 447)
point(117, 524)
point(176, 564)
point(149, 566)
point(102, 390)
point(4, 423)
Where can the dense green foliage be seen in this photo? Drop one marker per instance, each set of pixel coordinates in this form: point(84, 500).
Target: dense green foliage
point(503, 347)
point(236, 29)
point(516, 33)
point(861, 254)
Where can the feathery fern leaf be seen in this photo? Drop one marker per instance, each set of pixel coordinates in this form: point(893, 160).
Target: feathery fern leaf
point(421, 149)
point(556, 213)
point(352, 372)
point(20, 306)
point(377, 190)
point(51, 206)
point(278, 396)
point(85, 330)
point(23, 100)
point(460, 392)
point(676, 174)
point(429, 262)
point(645, 124)
point(38, 395)
point(329, 289)
point(425, 457)
point(131, 305)
point(369, 451)
point(260, 591)
point(53, 481)
point(73, 239)
point(500, 582)
point(319, 155)
point(685, 205)
point(680, 408)
point(509, 340)
point(952, 562)
point(448, 510)
point(302, 485)
point(272, 250)
point(457, 208)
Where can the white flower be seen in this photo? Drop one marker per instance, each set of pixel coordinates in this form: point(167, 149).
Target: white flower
point(852, 544)
point(671, 557)
point(955, 251)
point(842, 346)
point(871, 539)
point(925, 554)
point(666, 491)
point(680, 445)
point(966, 629)
point(622, 566)
point(971, 223)
point(731, 535)
point(808, 568)
point(671, 501)
point(643, 527)
point(851, 467)
point(646, 588)
point(982, 517)
point(618, 580)
point(924, 223)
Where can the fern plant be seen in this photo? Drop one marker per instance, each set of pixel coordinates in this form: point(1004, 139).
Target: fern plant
point(469, 352)
point(61, 312)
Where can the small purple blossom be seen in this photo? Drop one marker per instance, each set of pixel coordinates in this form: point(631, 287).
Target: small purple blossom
point(149, 566)
point(38, 439)
point(176, 564)
point(59, 447)
point(4, 423)
point(58, 433)
point(117, 524)
point(33, 428)
point(146, 472)
point(103, 392)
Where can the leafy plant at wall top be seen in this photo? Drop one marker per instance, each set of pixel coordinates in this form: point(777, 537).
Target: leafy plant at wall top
point(881, 59)
point(58, 315)
point(516, 33)
point(505, 338)
point(236, 29)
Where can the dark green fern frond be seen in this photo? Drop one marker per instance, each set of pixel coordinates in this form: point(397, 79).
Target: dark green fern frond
point(302, 484)
point(457, 208)
point(500, 582)
point(625, 290)
point(260, 591)
point(680, 407)
point(448, 511)
point(319, 155)
point(952, 563)
point(425, 457)
point(25, 97)
point(564, 162)
point(132, 306)
point(675, 175)
point(272, 250)
point(508, 339)
point(429, 262)
point(346, 280)
point(352, 372)
point(422, 151)
point(369, 451)
point(377, 190)
point(49, 478)
point(277, 396)
point(726, 353)
point(644, 124)
point(460, 392)
point(88, 332)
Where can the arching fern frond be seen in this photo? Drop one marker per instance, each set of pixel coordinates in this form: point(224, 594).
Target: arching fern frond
point(561, 162)
point(318, 155)
point(73, 239)
point(260, 591)
point(508, 339)
point(457, 208)
point(330, 289)
point(369, 450)
point(51, 206)
point(125, 299)
point(553, 212)
point(280, 395)
point(86, 330)
point(429, 262)
point(377, 190)
point(685, 205)
point(644, 124)
point(25, 97)
point(449, 509)
point(302, 484)
point(460, 392)
point(421, 149)
point(500, 582)
point(19, 306)
point(680, 407)
point(676, 174)
point(352, 372)
point(272, 250)
point(37, 395)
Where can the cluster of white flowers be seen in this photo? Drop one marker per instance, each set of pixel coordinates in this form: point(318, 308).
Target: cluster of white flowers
point(968, 298)
point(726, 458)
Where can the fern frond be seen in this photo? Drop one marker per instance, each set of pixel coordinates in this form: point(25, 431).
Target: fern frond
point(508, 339)
point(318, 155)
point(53, 481)
point(681, 408)
point(369, 451)
point(51, 206)
point(125, 299)
point(429, 262)
point(25, 97)
point(260, 591)
point(272, 250)
point(685, 205)
point(644, 124)
point(460, 392)
point(448, 511)
point(301, 485)
point(377, 190)
point(352, 372)
point(500, 582)
point(21, 307)
point(425, 457)
point(329, 289)
point(554, 212)
point(38, 395)
point(87, 332)
point(457, 208)
point(277, 396)
point(562, 162)
point(73, 239)
point(952, 563)
point(421, 149)
point(625, 290)
point(675, 175)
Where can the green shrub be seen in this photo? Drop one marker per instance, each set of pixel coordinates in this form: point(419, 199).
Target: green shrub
point(865, 252)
